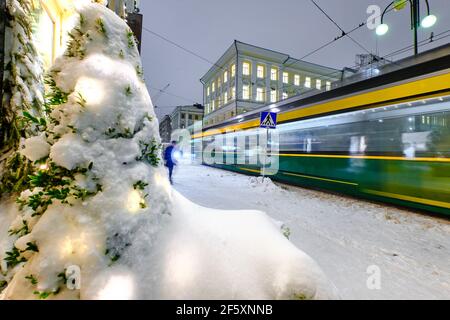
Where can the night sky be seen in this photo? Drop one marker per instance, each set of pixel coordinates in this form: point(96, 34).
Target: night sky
point(295, 27)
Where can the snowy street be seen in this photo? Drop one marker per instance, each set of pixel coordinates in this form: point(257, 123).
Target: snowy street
point(344, 235)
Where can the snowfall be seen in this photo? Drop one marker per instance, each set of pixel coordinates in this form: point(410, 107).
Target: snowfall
point(352, 240)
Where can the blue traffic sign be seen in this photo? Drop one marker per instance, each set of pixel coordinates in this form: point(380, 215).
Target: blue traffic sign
point(268, 120)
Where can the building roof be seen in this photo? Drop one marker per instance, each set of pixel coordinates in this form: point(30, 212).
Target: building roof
point(195, 107)
point(239, 47)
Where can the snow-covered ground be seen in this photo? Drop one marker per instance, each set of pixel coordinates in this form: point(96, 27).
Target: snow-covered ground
point(344, 235)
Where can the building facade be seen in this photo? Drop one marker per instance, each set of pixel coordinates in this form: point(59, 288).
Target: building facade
point(52, 24)
point(183, 117)
point(165, 129)
point(247, 76)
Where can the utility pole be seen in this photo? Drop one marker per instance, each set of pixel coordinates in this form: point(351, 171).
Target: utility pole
point(415, 21)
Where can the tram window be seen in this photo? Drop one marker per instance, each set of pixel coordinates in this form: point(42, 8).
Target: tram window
point(420, 135)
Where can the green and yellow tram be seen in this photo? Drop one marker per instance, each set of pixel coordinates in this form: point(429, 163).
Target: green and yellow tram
point(386, 138)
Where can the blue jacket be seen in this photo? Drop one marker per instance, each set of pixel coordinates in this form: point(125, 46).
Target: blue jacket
point(168, 156)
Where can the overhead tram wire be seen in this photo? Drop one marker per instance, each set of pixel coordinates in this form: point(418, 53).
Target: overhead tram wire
point(220, 67)
point(329, 76)
point(393, 53)
point(339, 27)
point(421, 43)
point(182, 48)
point(299, 60)
point(172, 94)
point(362, 24)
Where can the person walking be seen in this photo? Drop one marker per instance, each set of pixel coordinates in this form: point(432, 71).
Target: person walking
point(169, 160)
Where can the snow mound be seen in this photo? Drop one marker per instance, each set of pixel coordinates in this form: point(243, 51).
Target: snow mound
point(101, 203)
point(220, 254)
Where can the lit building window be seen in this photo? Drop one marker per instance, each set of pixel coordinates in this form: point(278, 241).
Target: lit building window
point(225, 77)
point(318, 84)
point(233, 70)
point(307, 82)
point(328, 85)
point(297, 80)
point(233, 93)
point(260, 94)
point(260, 71)
point(246, 69)
point(246, 92)
point(213, 87)
point(273, 96)
point(219, 82)
point(274, 74)
point(213, 106)
point(285, 77)
point(285, 95)
point(207, 91)
point(225, 97)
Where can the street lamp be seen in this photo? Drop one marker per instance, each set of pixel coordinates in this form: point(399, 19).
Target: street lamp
point(428, 21)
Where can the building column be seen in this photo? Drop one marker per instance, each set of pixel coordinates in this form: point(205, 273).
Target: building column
point(280, 83)
point(253, 80)
point(268, 89)
point(239, 79)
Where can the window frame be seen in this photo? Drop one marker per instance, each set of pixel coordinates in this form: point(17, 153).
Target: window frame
point(319, 84)
point(260, 71)
point(244, 69)
point(246, 89)
point(260, 96)
point(273, 95)
point(285, 77)
point(307, 83)
point(272, 73)
point(297, 80)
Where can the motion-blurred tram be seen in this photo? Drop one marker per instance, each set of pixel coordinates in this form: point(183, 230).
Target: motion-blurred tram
point(384, 138)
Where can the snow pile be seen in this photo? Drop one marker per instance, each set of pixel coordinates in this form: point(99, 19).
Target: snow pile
point(100, 201)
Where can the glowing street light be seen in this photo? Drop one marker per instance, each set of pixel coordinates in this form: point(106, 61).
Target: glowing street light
point(382, 29)
point(427, 22)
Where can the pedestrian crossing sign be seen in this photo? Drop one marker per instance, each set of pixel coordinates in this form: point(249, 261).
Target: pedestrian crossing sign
point(268, 120)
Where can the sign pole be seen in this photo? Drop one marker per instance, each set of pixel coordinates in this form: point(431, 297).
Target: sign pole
point(265, 156)
point(268, 120)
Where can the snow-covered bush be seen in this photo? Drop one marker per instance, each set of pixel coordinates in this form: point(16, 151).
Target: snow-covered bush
point(99, 200)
